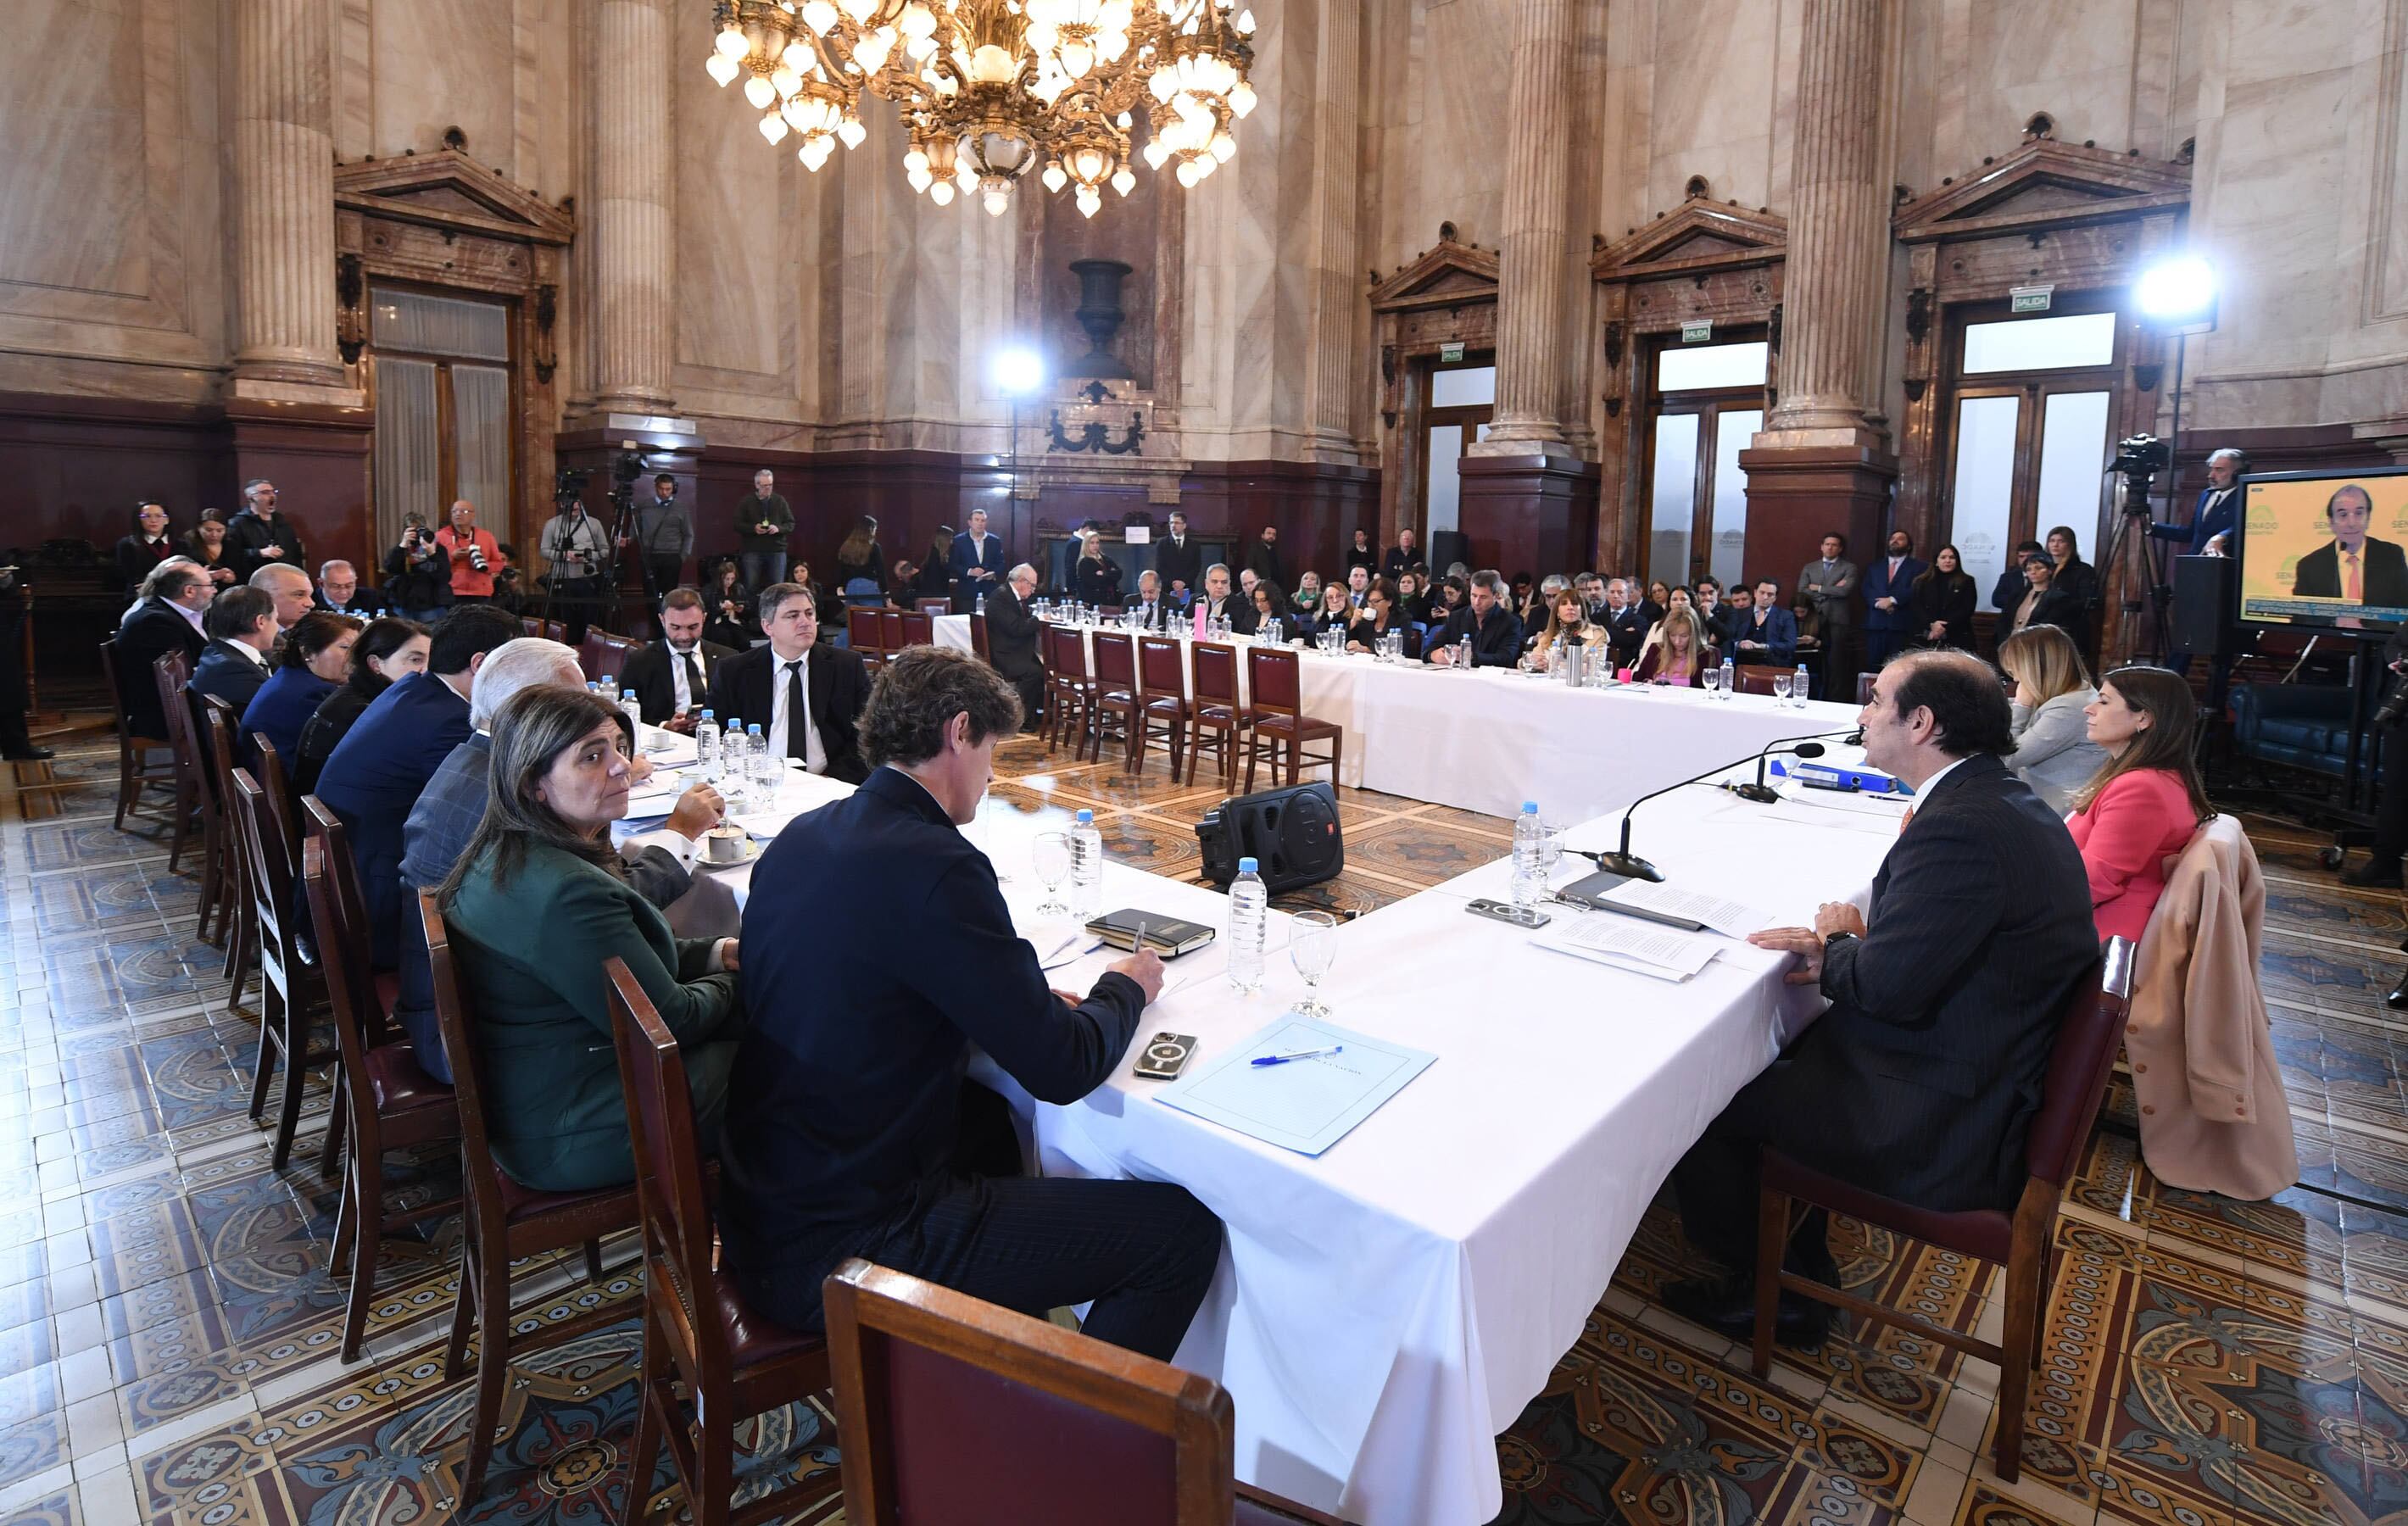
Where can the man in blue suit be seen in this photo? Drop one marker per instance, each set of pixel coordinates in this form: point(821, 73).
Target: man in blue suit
point(2216, 510)
point(241, 628)
point(976, 564)
point(1886, 587)
point(382, 765)
point(1767, 636)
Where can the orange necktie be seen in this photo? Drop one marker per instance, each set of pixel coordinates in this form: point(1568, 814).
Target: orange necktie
point(2352, 584)
point(1907, 820)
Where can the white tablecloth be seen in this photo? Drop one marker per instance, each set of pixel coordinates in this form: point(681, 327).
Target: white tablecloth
point(1386, 1309)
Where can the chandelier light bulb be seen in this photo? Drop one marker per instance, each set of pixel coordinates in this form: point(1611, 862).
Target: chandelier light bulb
point(785, 80)
point(966, 177)
point(1245, 23)
point(1089, 203)
point(733, 43)
point(1187, 173)
point(814, 151)
point(942, 192)
point(1155, 151)
point(915, 159)
point(760, 93)
point(919, 180)
point(1054, 178)
point(773, 127)
point(1077, 58)
point(992, 65)
point(1126, 180)
point(917, 21)
point(1224, 147)
point(849, 132)
point(860, 10)
point(800, 58)
point(1241, 98)
point(996, 201)
point(819, 16)
point(722, 68)
point(871, 50)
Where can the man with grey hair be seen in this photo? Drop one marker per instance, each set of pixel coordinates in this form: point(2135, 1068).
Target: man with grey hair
point(339, 591)
point(658, 862)
point(259, 534)
point(167, 618)
point(1012, 640)
point(2215, 510)
point(289, 586)
point(1217, 605)
point(763, 520)
point(1493, 628)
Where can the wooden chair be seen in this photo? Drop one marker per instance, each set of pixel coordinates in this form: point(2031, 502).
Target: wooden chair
point(556, 630)
point(590, 652)
point(169, 675)
point(268, 768)
point(217, 718)
point(1279, 721)
point(2090, 1030)
point(391, 1100)
point(978, 639)
point(1747, 679)
point(934, 606)
point(1162, 666)
point(530, 625)
point(918, 627)
point(138, 770)
point(890, 631)
point(699, 1331)
point(292, 992)
point(1070, 688)
point(861, 633)
point(1217, 709)
point(504, 1222)
point(612, 659)
point(945, 1403)
point(1117, 693)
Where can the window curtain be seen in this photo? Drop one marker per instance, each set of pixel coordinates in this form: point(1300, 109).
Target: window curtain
point(409, 460)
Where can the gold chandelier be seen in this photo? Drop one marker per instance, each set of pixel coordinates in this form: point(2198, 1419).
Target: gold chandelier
point(989, 89)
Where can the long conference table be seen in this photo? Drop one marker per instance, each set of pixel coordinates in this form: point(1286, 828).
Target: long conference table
point(1487, 739)
point(1386, 1309)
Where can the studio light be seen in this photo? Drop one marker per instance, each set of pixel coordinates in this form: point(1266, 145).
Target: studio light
point(1018, 372)
point(2176, 292)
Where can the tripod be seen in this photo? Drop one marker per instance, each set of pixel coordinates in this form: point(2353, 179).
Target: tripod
point(2142, 561)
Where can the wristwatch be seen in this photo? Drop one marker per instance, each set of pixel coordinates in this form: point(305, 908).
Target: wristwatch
point(1833, 940)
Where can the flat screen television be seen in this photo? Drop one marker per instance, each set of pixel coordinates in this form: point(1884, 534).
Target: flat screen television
point(2324, 550)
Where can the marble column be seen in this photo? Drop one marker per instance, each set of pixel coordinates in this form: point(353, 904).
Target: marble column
point(1534, 329)
point(284, 200)
point(1338, 369)
point(1838, 225)
point(635, 330)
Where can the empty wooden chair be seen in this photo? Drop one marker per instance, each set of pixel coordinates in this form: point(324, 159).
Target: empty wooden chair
point(698, 1331)
point(1281, 724)
point(1070, 688)
point(293, 993)
point(890, 631)
point(169, 675)
point(504, 1222)
point(918, 627)
point(1162, 666)
point(556, 630)
point(861, 635)
point(2090, 1030)
point(1117, 695)
point(978, 639)
point(389, 1099)
point(269, 770)
point(530, 625)
point(1865, 687)
point(140, 766)
point(611, 659)
point(1749, 679)
point(590, 651)
point(217, 720)
point(935, 607)
point(1215, 708)
point(1067, 1429)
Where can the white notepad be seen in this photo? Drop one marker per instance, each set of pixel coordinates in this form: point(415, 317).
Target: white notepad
point(1660, 951)
point(1305, 1105)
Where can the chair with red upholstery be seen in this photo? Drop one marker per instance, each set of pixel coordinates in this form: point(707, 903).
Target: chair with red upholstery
point(890, 631)
point(1216, 709)
point(918, 627)
point(935, 607)
point(861, 633)
point(978, 639)
point(1117, 693)
point(1070, 688)
point(391, 1100)
point(590, 651)
point(530, 625)
point(1865, 687)
point(2090, 1033)
point(292, 992)
point(612, 659)
point(698, 1331)
point(1281, 724)
point(945, 1403)
point(1750, 680)
point(504, 1222)
point(1162, 665)
point(556, 630)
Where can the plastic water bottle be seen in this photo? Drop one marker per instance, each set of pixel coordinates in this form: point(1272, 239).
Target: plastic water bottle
point(731, 765)
point(633, 709)
point(1529, 859)
point(757, 763)
point(607, 688)
point(981, 604)
point(1463, 653)
point(1730, 679)
point(706, 748)
point(1249, 928)
point(1799, 689)
point(1086, 866)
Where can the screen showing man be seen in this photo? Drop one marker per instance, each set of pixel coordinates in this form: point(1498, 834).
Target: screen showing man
point(2326, 548)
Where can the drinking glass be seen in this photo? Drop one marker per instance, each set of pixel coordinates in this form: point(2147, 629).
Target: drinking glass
point(1713, 679)
point(1781, 682)
point(1312, 944)
point(1050, 856)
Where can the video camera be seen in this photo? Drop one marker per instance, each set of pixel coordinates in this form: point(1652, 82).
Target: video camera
point(2142, 455)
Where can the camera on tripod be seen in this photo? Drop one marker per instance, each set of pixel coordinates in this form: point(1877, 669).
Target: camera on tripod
point(568, 487)
point(2142, 455)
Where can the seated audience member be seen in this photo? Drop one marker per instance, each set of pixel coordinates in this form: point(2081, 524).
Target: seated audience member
point(727, 609)
point(1358, 585)
point(1625, 625)
point(1335, 612)
point(1940, 604)
point(378, 770)
point(656, 864)
point(1413, 601)
point(168, 617)
point(138, 554)
point(2009, 590)
point(388, 650)
point(1567, 620)
point(315, 657)
point(843, 1134)
point(205, 543)
point(1921, 1079)
point(2145, 804)
point(1739, 612)
point(1660, 595)
point(1495, 635)
point(1707, 599)
point(1363, 554)
point(1216, 602)
point(1403, 557)
point(673, 677)
point(1767, 636)
point(289, 587)
point(2043, 603)
point(536, 904)
point(418, 573)
point(804, 694)
point(1270, 614)
point(1449, 596)
point(1381, 614)
point(341, 593)
point(1244, 614)
point(1149, 605)
point(2054, 753)
point(1011, 634)
point(1096, 579)
point(1680, 653)
point(241, 628)
point(1522, 597)
point(1308, 594)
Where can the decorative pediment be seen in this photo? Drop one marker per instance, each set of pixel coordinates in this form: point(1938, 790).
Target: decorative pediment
point(2043, 185)
point(448, 190)
point(1699, 234)
point(1450, 274)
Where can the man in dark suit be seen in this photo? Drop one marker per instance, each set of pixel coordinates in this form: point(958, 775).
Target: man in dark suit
point(340, 593)
point(2354, 564)
point(2215, 513)
point(1885, 586)
point(1767, 635)
point(1494, 630)
point(673, 677)
point(378, 771)
point(1179, 560)
point(977, 563)
point(844, 1135)
point(1922, 1078)
point(1625, 624)
point(260, 536)
point(806, 696)
point(1405, 554)
point(1012, 635)
point(241, 628)
point(167, 617)
point(1148, 603)
point(1263, 558)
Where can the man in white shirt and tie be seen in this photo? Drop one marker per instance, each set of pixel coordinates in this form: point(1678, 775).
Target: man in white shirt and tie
point(977, 562)
point(1179, 560)
point(806, 697)
point(671, 676)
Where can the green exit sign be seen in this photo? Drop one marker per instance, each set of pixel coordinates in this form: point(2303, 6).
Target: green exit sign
point(2028, 299)
point(1698, 330)
point(1450, 354)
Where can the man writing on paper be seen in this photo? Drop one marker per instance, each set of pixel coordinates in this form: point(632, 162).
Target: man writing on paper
point(1921, 1079)
point(845, 1132)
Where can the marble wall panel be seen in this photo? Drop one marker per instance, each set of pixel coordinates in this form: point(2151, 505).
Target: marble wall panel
point(1716, 80)
point(441, 63)
point(73, 177)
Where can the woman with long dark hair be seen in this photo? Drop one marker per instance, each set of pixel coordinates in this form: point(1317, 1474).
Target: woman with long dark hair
point(2145, 803)
point(316, 654)
point(387, 651)
point(727, 609)
point(536, 905)
point(861, 556)
point(1939, 603)
point(205, 543)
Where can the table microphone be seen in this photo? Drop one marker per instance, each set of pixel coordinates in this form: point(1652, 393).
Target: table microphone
point(1624, 863)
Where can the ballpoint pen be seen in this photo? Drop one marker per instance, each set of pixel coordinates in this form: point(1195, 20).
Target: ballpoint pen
point(1300, 1054)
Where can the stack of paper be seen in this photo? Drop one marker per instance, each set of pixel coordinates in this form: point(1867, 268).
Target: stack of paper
point(1731, 918)
point(1660, 952)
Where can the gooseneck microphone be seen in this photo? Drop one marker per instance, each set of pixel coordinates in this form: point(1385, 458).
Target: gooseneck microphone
point(1763, 793)
point(1624, 863)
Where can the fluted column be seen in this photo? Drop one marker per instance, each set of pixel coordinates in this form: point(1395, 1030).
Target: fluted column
point(1839, 227)
point(1533, 327)
point(634, 256)
point(1337, 364)
point(284, 195)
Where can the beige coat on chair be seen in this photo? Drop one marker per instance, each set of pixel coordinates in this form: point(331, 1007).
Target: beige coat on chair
point(2212, 1115)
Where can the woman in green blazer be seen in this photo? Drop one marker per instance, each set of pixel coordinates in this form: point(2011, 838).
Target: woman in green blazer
point(537, 903)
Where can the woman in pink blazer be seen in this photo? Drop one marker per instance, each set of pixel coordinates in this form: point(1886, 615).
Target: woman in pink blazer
point(2145, 804)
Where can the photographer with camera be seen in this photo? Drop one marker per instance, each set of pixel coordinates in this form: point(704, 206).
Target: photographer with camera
point(473, 554)
point(579, 549)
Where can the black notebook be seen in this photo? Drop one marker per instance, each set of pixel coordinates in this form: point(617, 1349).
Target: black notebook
point(1165, 935)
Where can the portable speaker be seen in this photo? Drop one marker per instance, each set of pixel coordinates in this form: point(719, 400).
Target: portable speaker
point(2206, 603)
point(1447, 547)
point(1292, 835)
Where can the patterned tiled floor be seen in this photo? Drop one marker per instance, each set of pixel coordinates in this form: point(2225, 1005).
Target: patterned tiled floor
point(167, 1321)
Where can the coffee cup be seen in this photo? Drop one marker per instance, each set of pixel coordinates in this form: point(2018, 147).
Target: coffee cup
point(724, 845)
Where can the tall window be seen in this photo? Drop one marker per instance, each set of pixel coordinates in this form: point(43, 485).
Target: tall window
point(442, 407)
point(1462, 401)
point(2030, 417)
point(1707, 403)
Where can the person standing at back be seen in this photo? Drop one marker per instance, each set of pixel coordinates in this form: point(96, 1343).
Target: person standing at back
point(138, 554)
point(763, 520)
point(977, 563)
point(1889, 595)
point(664, 539)
point(259, 534)
point(1829, 588)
